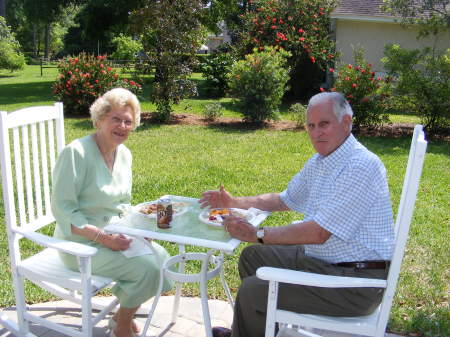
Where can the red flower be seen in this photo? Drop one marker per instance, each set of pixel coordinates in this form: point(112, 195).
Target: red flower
point(322, 89)
point(302, 39)
point(313, 59)
point(350, 66)
point(301, 31)
point(331, 70)
point(109, 68)
point(273, 27)
point(354, 85)
point(132, 82)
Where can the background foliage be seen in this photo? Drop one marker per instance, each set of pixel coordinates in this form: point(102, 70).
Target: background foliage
point(10, 56)
point(259, 82)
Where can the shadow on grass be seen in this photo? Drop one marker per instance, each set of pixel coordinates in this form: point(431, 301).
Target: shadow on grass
point(26, 93)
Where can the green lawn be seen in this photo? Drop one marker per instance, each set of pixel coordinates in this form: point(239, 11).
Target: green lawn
point(186, 160)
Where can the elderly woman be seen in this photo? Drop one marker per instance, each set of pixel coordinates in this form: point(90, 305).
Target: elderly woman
point(91, 187)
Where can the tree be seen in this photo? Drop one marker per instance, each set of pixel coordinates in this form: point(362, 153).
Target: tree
point(10, 56)
point(432, 16)
point(300, 27)
point(171, 35)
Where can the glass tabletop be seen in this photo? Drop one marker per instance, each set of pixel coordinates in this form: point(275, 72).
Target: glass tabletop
point(185, 228)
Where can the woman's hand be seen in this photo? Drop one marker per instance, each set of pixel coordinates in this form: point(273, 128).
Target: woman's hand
point(240, 228)
point(216, 198)
point(114, 241)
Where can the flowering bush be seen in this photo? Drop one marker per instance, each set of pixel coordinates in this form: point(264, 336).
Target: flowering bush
point(367, 93)
point(259, 82)
point(83, 78)
point(300, 27)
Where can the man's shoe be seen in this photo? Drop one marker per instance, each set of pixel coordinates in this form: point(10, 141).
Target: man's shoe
point(219, 331)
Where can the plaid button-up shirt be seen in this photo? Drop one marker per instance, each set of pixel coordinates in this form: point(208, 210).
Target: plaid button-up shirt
point(346, 193)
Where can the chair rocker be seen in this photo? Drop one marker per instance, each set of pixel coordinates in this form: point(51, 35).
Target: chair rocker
point(375, 323)
point(37, 136)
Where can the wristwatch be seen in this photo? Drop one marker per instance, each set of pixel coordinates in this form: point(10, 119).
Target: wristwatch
point(260, 235)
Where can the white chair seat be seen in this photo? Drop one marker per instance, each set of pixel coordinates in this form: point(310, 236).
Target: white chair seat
point(47, 266)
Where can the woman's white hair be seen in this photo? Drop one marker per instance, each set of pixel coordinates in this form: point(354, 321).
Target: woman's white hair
point(341, 107)
point(115, 98)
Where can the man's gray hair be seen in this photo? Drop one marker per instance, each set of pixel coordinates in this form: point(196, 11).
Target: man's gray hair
point(341, 107)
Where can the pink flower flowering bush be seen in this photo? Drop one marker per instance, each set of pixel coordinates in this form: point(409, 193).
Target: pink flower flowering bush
point(83, 78)
point(367, 93)
point(299, 27)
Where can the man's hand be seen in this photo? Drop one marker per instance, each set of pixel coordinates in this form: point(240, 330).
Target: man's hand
point(216, 198)
point(240, 228)
point(115, 241)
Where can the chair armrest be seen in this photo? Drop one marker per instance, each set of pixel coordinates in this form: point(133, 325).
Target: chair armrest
point(70, 247)
point(317, 280)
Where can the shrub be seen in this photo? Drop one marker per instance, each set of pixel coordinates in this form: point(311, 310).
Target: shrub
point(126, 47)
point(298, 113)
point(84, 78)
point(215, 69)
point(422, 85)
point(259, 82)
point(10, 56)
point(213, 111)
point(367, 93)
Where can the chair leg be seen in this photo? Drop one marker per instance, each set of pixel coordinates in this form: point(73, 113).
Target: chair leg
point(23, 324)
point(271, 308)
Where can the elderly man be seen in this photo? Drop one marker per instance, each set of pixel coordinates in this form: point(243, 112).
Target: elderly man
point(347, 228)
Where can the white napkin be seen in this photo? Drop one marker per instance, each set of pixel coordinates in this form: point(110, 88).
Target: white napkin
point(136, 248)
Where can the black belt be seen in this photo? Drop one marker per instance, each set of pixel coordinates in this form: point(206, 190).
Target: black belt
point(365, 264)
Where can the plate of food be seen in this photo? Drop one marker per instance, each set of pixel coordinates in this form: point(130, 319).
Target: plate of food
point(215, 216)
point(149, 208)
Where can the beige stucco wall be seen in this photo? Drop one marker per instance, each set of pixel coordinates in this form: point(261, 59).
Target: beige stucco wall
point(373, 36)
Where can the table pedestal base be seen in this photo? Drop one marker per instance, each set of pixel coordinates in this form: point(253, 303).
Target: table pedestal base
point(206, 273)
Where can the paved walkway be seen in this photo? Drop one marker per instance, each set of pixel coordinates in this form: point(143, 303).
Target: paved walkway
point(189, 323)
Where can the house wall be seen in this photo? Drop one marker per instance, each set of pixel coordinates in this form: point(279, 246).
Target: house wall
point(374, 35)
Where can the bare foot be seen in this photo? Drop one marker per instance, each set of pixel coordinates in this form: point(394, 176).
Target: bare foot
point(134, 326)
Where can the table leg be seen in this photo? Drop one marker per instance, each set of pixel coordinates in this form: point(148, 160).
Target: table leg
point(204, 293)
point(224, 282)
point(179, 286)
point(158, 293)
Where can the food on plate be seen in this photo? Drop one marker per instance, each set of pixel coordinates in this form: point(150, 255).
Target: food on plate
point(217, 215)
point(150, 208)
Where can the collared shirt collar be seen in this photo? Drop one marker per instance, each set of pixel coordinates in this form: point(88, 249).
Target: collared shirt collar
point(340, 154)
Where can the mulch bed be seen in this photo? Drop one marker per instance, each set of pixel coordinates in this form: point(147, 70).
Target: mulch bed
point(395, 130)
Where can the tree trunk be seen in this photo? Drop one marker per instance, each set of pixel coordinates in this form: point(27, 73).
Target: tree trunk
point(3, 8)
point(35, 41)
point(47, 40)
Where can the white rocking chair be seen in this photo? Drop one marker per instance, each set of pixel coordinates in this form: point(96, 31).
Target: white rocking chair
point(375, 323)
point(26, 181)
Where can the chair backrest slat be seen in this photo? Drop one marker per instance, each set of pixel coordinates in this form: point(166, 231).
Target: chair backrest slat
point(19, 175)
point(27, 168)
point(44, 167)
point(36, 170)
point(51, 144)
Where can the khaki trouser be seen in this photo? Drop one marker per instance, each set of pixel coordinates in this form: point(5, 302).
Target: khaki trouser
point(251, 302)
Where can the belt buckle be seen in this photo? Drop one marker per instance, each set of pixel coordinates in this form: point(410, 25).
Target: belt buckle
point(360, 265)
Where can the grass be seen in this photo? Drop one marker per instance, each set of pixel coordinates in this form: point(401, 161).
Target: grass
point(186, 160)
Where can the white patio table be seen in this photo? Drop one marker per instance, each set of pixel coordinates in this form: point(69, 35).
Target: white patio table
point(186, 229)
